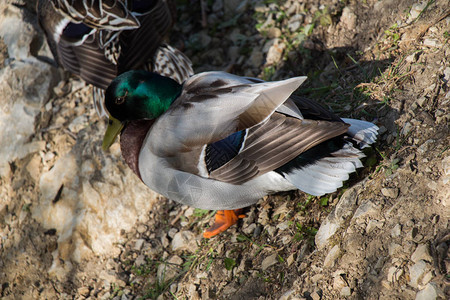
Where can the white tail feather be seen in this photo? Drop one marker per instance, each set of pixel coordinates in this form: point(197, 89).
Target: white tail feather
point(363, 132)
point(326, 175)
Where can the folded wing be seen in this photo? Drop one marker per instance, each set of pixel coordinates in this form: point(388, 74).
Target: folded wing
point(214, 105)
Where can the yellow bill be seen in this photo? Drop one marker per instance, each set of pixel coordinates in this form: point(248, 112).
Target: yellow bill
point(113, 130)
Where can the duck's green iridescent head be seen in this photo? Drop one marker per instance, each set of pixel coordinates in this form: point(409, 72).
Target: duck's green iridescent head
point(137, 95)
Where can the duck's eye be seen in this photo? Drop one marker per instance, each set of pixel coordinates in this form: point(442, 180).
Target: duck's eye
point(121, 99)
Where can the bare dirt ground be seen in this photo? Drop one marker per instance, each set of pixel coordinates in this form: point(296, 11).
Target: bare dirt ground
point(384, 235)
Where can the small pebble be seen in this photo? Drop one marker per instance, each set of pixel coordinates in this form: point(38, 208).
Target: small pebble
point(290, 259)
point(348, 18)
point(346, 291)
point(184, 240)
point(138, 244)
point(415, 273)
point(430, 43)
point(396, 231)
point(249, 229)
point(331, 257)
point(140, 260)
point(430, 292)
point(141, 228)
point(269, 261)
point(172, 232)
point(421, 253)
point(390, 192)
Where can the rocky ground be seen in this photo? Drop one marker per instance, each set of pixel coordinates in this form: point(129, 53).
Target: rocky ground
point(76, 223)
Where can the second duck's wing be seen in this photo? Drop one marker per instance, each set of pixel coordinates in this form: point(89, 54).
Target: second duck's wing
point(139, 46)
point(102, 14)
point(76, 47)
point(98, 53)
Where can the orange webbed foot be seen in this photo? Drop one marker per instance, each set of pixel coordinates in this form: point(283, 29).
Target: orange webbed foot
point(224, 219)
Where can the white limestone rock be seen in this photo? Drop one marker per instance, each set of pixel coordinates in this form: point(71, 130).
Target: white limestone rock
point(89, 197)
point(25, 85)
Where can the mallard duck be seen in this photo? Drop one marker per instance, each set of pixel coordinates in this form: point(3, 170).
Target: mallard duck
point(100, 39)
point(221, 142)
